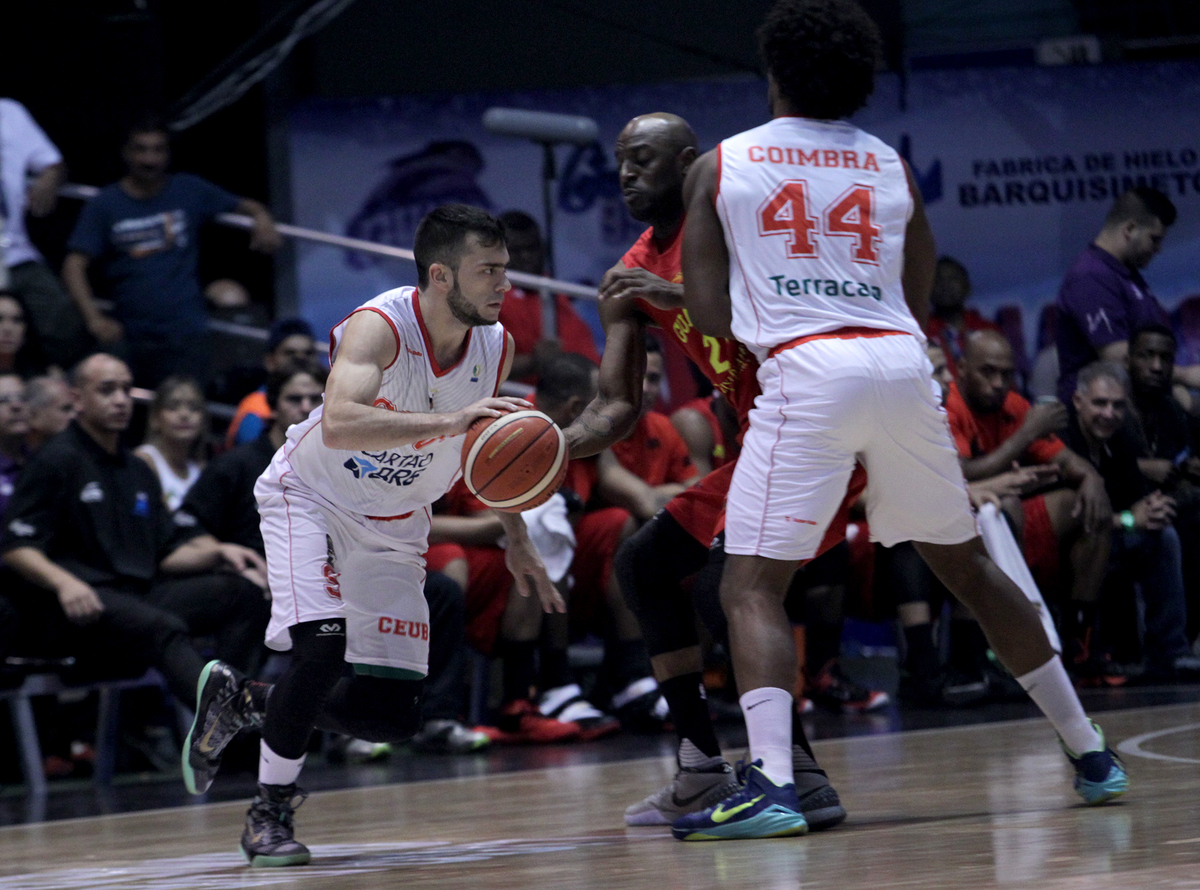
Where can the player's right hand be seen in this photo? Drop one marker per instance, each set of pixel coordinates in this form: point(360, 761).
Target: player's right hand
point(79, 601)
point(105, 329)
point(633, 284)
point(489, 407)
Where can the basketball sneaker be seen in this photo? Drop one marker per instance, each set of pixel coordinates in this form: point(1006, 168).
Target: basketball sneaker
point(1099, 775)
point(225, 705)
point(521, 723)
point(819, 801)
point(694, 788)
point(268, 840)
point(759, 808)
point(834, 690)
point(448, 737)
point(567, 704)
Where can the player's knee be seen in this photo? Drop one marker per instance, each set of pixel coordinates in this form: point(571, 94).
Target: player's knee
point(320, 642)
point(634, 564)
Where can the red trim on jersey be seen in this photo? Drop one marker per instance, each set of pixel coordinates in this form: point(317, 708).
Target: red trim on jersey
point(287, 509)
point(500, 370)
point(382, 315)
point(433, 362)
point(839, 334)
point(732, 246)
point(391, 518)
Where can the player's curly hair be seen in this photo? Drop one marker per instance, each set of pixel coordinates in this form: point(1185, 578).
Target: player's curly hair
point(822, 55)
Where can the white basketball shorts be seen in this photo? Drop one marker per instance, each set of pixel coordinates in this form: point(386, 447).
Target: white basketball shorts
point(325, 563)
point(826, 403)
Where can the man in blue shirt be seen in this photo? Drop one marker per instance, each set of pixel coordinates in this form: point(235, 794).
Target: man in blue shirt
point(1104, 297)
point(142, 233)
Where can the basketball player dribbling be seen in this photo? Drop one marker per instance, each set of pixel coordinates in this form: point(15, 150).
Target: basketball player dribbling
point(345, 520)
point(807, 240)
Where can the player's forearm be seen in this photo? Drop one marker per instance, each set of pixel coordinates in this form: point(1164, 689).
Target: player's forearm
point(996, 462)
point(471, 531)
point(196, 555)
point(350, 426)
point(602, 423)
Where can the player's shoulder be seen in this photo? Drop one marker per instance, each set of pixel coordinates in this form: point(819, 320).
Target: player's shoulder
point(640, 251)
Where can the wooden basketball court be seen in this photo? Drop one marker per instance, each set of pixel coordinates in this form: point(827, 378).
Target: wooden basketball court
point(978, 806)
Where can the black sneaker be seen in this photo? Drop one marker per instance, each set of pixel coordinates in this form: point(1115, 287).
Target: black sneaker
point(268, 840)
point(819, 802)
point(225, 705)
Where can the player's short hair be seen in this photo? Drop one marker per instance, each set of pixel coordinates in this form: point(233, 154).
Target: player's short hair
point(564, 375)
point(1142, 205)
point(1152, 327)
point(277, 380)
point(442, 235)
point(1101, 370)
point(822, 55)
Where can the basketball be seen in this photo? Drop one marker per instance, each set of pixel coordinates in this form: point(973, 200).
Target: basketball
point(514, 462)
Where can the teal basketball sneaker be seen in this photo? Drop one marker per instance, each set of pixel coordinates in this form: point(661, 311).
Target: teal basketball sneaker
point(760, 808)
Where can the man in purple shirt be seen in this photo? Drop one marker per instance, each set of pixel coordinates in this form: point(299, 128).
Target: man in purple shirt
point(1104, 298)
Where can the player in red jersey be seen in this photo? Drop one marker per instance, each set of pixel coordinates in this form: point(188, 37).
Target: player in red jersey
point(654, 152)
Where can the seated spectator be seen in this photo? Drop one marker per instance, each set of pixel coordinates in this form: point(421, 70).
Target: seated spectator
point(49, 408)
point(87, 523)
point(950, 321)
point(709, 427)
point(1145, 546)
point(142, 233)
point(19, 351)
point(654, 461)
point(541, 324)
point(176, 439)
point(31, 171)
point(1168, 440)
point(290, 345)
point(1010, 447)
point(13, 430)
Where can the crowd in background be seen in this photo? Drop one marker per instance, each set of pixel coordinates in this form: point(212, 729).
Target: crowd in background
point(156, 558)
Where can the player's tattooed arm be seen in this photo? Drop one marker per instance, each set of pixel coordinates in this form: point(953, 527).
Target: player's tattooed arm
point(705, 256)
point(611, 414)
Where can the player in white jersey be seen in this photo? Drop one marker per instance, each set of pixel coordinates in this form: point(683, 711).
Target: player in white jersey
point(345, 521)
point(807, 239)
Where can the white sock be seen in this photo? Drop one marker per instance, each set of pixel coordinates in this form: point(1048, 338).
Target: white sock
point(768, 713)
point(276, 770)
point(1051, 690)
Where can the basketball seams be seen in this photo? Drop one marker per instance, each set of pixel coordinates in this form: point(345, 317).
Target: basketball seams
point(499, 427)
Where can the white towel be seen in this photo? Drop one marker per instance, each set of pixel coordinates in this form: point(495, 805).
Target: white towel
point(552, 536)
point(1002, 548)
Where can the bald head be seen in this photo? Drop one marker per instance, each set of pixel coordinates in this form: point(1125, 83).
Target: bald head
point(101, 385)
point(654, 152)
point(987, 371)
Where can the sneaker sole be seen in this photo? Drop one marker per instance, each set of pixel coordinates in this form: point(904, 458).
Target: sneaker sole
point(769, 823)
point(258, 861)
point(189, 775)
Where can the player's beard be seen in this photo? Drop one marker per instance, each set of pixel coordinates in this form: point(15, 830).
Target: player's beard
point(462, 310)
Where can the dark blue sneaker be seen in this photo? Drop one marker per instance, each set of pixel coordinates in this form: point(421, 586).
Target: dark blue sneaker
point(760, 808)
point(1099, 775)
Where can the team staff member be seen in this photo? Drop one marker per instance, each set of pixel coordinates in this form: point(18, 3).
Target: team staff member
point(88, 523)
point(345, 519)
point(806, 240)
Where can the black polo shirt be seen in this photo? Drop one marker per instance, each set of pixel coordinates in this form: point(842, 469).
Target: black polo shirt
point(100, 516)
point(222, 499)
point(1118, 465)
point(1163, 427)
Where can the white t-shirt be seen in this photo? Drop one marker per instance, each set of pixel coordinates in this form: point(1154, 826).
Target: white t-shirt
point(24, 151)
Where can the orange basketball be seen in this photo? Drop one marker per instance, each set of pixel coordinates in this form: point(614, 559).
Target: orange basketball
point(516, 461)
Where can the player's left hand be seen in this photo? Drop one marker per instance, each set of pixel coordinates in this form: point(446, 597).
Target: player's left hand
point(630, 284)
point(529, 574)
point(264, 237)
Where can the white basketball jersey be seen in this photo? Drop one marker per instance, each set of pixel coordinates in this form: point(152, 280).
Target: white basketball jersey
point(405, 478)
point(814, 214)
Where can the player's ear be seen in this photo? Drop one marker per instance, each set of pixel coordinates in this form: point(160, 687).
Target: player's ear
point(685, 158)
point(441, 275)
